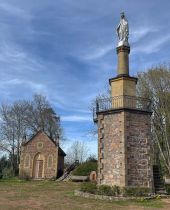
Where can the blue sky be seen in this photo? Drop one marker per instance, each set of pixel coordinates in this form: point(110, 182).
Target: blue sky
point(65, 50)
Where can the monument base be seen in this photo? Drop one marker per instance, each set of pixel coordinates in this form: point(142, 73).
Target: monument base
point(124, 148)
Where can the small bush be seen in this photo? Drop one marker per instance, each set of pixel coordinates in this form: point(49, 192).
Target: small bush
point(85, 169)
point(108, 190)
point(7, 173)
point(105, 190)
point(136, 191)
point(168, 189)
point(89, 187)
point(116, 190)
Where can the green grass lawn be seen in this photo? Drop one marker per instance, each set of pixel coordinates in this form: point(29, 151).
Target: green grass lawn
point(16, 195)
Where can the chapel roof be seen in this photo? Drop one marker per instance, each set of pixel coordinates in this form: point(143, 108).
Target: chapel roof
point(60, 151)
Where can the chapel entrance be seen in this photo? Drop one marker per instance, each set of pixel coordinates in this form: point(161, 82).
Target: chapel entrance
point(38, 171)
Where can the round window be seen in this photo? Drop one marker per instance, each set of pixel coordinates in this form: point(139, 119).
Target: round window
point(39, 145)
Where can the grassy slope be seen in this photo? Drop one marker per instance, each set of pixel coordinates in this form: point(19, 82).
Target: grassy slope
point(16, 195)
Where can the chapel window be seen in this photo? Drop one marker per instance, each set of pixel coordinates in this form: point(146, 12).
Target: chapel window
point(50, 161)
point(27, 161)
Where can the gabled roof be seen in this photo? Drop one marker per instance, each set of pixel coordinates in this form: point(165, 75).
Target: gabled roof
point(60, 151)
point(40, 131)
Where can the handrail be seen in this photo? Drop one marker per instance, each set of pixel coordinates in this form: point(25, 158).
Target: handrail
point(118, 102)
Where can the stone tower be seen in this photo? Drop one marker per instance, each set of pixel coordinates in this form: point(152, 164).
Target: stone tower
point(124, 127)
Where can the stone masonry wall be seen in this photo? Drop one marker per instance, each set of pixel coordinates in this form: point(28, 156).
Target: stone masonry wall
point(111, 154)
point(31, 149)
point(124, 149)
point(138, 149)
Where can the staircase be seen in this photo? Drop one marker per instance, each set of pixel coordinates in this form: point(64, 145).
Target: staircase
point(66, 175)
point(159, 184)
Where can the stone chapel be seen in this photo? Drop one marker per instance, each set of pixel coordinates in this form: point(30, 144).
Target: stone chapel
point(41, 158)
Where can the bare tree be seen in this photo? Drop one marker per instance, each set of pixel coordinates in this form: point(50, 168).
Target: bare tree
point(19, 117)
point(7, 140)
point(155, 84)
point(26, 118)
point(77, 151)
point(42, 116)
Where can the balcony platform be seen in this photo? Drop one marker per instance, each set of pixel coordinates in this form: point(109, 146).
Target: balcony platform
point(119, 103)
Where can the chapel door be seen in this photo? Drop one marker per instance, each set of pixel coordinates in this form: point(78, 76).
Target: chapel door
point(40, 169)
point(38, 166)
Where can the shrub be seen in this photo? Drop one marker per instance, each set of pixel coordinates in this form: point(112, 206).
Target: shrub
point(85, 169)
point(136, 191)
point(168, 188)
point(105, 190)
point(108, 190)
point(89, 187)
point(7, 173)
point(116, 190)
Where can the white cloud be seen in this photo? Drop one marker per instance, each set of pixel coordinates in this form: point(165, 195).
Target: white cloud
point(152, 46)
point(93, 53)
point(34, 86)
point(76, 118)
point(17, 58)
point(10, 52)
point(15, 81)
point(15, 11)
point(139, 32)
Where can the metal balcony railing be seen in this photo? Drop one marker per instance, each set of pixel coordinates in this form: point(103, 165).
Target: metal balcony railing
point(118, 102)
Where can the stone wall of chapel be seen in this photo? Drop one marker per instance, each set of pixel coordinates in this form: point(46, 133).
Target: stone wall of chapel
point(39, 144)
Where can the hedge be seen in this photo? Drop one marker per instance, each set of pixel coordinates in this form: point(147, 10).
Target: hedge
point(115, 190)
point(85, 169)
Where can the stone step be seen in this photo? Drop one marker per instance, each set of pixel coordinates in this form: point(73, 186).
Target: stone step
point(161, 191)
point(159, 184)
point(159, 187)
point(158, 181)
point(157, 174)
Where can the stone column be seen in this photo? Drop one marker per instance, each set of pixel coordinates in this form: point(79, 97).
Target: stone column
point(123, 60)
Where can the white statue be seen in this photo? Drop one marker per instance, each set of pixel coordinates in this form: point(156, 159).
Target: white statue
point(123, 31)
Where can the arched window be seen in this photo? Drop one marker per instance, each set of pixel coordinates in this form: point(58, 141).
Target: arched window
point(50, 161)
point(27, 161)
